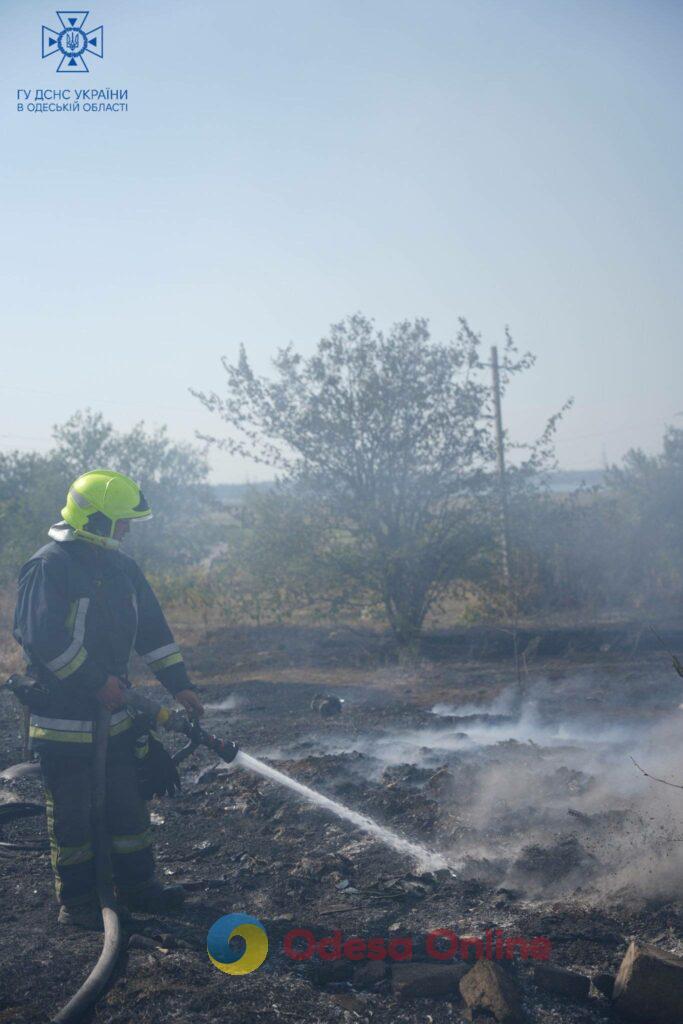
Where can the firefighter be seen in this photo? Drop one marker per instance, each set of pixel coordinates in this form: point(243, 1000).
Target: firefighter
point(83, 606)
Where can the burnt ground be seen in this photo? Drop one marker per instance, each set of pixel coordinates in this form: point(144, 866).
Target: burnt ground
point(528, 792)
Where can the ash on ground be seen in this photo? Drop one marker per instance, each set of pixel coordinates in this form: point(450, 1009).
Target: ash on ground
point(532, 795)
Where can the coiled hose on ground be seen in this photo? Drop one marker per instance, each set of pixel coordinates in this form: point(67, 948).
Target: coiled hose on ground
point(93, 985)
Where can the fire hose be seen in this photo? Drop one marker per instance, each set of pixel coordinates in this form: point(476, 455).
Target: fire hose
point(157, 715)
point(174, 721)
point(94, 984)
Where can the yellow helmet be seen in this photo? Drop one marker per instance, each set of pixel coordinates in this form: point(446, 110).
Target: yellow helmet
point(96, 502)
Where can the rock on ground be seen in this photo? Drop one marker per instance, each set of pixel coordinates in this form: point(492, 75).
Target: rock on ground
point(649, 986)
point(561, 981)
point(487, 987)
point(604, 983)
point(369, 973)
point(424, 979)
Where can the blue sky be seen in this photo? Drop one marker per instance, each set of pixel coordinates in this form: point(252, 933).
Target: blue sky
point(284, 164)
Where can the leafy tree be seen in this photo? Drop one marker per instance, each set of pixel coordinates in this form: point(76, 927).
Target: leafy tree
point(389, 440)
point(617, 546)
point(173, 475)
point(86, 440)
point(648, 492)
point(32, 491)
point(566, 551)
point(287, 562)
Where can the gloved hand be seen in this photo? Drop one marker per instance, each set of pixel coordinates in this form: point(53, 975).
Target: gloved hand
point(113, 693)
point(191, 702)
point(157, 774)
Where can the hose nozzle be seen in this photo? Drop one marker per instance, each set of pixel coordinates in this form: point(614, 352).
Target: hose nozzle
point(176, 721)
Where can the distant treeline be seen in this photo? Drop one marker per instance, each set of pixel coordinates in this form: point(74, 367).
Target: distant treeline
point(237, 492)
point(560, 481)
point(616, 546)
point(385, 505)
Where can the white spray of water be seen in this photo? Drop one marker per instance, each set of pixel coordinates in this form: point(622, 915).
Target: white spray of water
point(229, 704)
point(425, 859)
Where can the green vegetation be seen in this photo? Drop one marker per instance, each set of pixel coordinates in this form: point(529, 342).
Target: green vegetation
point(386, 505)
point(173, 476)
point(386, 449)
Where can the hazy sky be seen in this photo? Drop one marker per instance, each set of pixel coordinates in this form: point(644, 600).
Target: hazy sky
point(285, 163)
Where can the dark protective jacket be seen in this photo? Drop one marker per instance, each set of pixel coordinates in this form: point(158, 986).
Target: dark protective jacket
point(81, 611)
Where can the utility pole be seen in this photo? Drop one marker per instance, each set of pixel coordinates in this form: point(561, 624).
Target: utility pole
point(500, 449)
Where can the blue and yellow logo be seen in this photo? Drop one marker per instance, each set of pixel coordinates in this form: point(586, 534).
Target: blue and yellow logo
point(239, 957)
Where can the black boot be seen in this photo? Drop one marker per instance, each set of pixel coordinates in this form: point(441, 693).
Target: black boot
point(88, 916)
point(154, 898)
point(81, 915)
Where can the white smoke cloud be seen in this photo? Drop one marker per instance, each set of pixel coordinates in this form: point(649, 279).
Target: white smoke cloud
point(231, 702)
point(515, 782)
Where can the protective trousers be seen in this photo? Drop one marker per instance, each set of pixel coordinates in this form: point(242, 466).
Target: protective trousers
point(68, 789)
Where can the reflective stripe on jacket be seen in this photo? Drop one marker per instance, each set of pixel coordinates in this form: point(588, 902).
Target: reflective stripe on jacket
point(71, 730)
point(81, 611)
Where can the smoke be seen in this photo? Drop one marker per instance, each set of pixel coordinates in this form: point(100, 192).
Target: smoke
point(504, 704)
point(560, 806)
point(230, 703)
point(548, 803)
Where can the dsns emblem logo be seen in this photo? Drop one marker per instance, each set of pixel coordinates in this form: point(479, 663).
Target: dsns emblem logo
point(73, 41)
point(235, 957)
